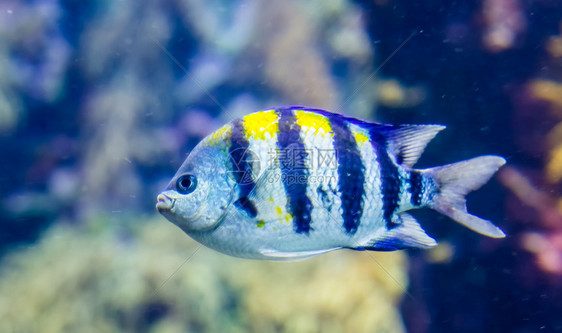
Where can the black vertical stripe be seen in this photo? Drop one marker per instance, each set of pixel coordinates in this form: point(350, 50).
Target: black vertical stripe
point(351, 173)
point(390, 177)
point(294, 174)
point(416, 188)
point(391, 182)
point(242, 171)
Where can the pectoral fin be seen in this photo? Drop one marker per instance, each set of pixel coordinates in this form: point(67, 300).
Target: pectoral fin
point(264, 204)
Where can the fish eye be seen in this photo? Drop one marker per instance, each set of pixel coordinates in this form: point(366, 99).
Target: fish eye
point(186, 184)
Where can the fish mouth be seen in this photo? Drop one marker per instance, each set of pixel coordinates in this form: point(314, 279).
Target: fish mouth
point(164, 202)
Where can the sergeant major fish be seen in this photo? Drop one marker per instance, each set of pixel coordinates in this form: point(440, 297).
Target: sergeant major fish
point(295, 182)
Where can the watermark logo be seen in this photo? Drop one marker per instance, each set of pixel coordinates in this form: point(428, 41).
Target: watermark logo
point(243, 166)
point(301, 159)
point(289, 166)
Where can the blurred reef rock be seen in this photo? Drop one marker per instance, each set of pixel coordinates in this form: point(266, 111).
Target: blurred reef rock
point(536, 203)
point(148, 276)
point(105, 98)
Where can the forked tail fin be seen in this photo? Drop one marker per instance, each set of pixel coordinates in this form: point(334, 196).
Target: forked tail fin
point(455, 180)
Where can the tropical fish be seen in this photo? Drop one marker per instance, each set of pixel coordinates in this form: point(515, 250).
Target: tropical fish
point(295, 182)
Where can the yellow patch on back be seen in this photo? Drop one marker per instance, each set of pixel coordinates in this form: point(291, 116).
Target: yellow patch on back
point(279, 211)
point(220, 135)
point(360, 138)
point(260, 223)
point(261, 125)
point(317, 122)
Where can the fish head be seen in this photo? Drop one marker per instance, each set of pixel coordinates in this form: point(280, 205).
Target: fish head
point(199, 193)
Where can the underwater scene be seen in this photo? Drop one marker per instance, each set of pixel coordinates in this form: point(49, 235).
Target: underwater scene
point(105, 228)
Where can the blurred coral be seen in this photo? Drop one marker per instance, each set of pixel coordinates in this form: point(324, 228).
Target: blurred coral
point(293, 64)
point(505, 22)
point(548, 209)
point(393, 94)
point(34, 57)
point(554, 44)
point(545, 238)
point(551, 93)
point(554, 164)
point(548, 91)
point(135, 85)
point(547, 248)
point(538, 199)
point(148, 276)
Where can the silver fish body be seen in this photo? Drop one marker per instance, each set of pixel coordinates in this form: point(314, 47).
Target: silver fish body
point(294, 182)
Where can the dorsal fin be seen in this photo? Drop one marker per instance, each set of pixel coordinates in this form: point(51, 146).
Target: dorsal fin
point(407, 142)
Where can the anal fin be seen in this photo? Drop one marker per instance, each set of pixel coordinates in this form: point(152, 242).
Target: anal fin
point(408, 234)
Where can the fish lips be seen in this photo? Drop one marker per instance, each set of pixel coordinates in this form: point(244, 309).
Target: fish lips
point(164, 203)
